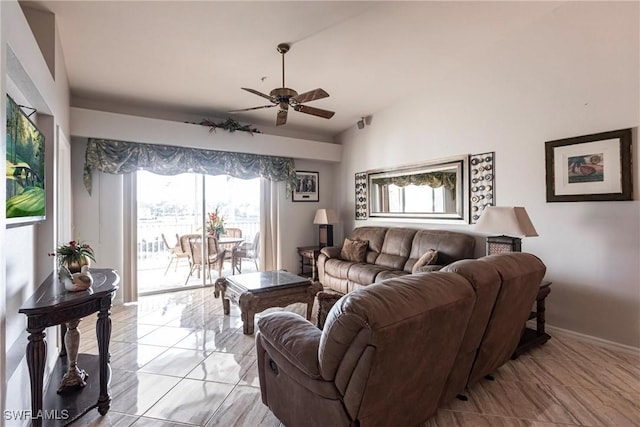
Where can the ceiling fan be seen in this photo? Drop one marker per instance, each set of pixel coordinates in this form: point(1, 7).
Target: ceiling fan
point(284, 98)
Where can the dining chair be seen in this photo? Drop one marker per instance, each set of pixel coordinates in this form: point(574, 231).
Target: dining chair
point(176, 252)
point(247, 250)
point(229, 247)
point(214, 254)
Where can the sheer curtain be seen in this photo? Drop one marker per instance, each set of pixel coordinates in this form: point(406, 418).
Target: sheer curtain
point(270, 247)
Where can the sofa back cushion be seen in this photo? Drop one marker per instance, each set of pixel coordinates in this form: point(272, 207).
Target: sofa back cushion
point(389, 347)
point(451, 246)
point(375, 236)
point(521, 275)
point(396, 248)
point(485, 280)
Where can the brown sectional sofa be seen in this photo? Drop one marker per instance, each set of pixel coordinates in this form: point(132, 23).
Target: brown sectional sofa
point(391, 252)
point(393, 352)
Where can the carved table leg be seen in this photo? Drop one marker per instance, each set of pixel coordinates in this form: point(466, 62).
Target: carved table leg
point(312, 290)
point(309, 307)
point(63, 333)
point(247, 303)
point(74, 377)
point(103, 332)
point(248, 319)
point(219, 287)
point(36, 358)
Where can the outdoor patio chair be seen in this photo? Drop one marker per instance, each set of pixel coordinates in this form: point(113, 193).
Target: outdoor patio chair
point(176, 253)
point(214, 254)
point(229, 247)
point(247, 250)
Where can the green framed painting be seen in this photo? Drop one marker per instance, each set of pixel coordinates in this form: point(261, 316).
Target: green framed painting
point(26, 197)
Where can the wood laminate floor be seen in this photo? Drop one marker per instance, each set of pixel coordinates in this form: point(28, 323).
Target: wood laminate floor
point(177, 360)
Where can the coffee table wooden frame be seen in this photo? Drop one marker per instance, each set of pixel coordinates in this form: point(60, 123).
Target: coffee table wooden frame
point(251, 303)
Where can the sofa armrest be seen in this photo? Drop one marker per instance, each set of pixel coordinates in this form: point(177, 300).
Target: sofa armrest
point(331, 251)
point(295, 338)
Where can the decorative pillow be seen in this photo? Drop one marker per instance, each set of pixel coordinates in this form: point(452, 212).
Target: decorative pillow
point(428, 258)
point(354, 250)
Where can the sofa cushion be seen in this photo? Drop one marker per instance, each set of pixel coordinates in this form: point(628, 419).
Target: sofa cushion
point(428, 258)
point(396, 248)
point(451, 246)
point(364, 274)
point(354, 250)
point(375, 236)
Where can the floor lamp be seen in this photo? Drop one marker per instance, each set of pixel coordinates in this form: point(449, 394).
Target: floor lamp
point(325, 218)
point(506, 222)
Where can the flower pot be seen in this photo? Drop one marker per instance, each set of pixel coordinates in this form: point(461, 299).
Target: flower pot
point(75, 266)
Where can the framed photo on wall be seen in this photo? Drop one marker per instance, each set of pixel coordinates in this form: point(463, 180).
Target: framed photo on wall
point(307, 187)
point(589, 168)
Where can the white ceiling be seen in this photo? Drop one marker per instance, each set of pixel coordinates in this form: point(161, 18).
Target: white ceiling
point(192, 58)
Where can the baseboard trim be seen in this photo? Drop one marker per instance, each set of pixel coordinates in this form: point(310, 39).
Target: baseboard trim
point(591, 339)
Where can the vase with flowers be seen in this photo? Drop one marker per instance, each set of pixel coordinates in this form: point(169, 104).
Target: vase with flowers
point(74, 255)
point(215, 224)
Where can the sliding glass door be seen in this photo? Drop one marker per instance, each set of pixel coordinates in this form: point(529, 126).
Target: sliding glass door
point(171, 207)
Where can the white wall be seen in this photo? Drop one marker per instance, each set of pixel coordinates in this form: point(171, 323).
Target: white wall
point(573, 72)
point(26, 77)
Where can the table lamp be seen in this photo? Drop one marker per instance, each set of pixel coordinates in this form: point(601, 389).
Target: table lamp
point(506, 221)
point(325, 218)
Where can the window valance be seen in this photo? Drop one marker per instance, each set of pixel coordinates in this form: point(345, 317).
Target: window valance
point(119, 157)
point(432, 179)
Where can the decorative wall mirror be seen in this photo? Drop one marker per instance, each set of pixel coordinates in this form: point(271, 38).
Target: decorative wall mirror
point(435, 190)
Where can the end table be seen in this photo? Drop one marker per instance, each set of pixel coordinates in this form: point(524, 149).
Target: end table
point(533, 338)
point(308, 257)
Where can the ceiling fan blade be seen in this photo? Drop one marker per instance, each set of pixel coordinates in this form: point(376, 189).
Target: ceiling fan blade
point(314, 111)
point(252, 108)
point(281, 119)
point(312, 95)
point(255, 92)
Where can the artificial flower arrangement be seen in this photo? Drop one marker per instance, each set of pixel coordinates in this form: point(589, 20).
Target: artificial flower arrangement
point(215, 225)
point(74, 255)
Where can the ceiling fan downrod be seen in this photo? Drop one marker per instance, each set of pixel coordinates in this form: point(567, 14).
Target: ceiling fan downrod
point(283, 48)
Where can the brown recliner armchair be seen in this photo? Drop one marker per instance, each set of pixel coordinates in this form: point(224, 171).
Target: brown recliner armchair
point(382, 359)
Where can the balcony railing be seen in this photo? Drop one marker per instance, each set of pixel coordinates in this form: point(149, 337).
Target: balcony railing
point(152, 252)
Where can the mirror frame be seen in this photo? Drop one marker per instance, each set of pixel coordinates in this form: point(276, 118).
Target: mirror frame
point(461, 165)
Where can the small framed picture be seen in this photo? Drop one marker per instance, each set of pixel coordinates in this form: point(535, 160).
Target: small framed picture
point(307, 187)
point(589, 168)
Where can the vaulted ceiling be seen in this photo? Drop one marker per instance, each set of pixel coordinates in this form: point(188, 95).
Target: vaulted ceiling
point(191, 58)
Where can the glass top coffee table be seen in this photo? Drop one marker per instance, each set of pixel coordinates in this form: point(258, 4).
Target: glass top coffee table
point(255, 292)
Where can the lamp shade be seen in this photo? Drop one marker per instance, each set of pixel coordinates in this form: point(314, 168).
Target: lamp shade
point(507, 221)
point(325, 216)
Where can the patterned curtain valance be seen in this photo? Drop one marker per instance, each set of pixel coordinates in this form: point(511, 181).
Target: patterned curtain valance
point(119, 157)
point(432, 179)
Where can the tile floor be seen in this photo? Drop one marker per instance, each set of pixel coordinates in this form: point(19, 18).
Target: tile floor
point(177, 360)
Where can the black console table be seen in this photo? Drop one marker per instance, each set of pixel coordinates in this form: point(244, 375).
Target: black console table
point(52, 305)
